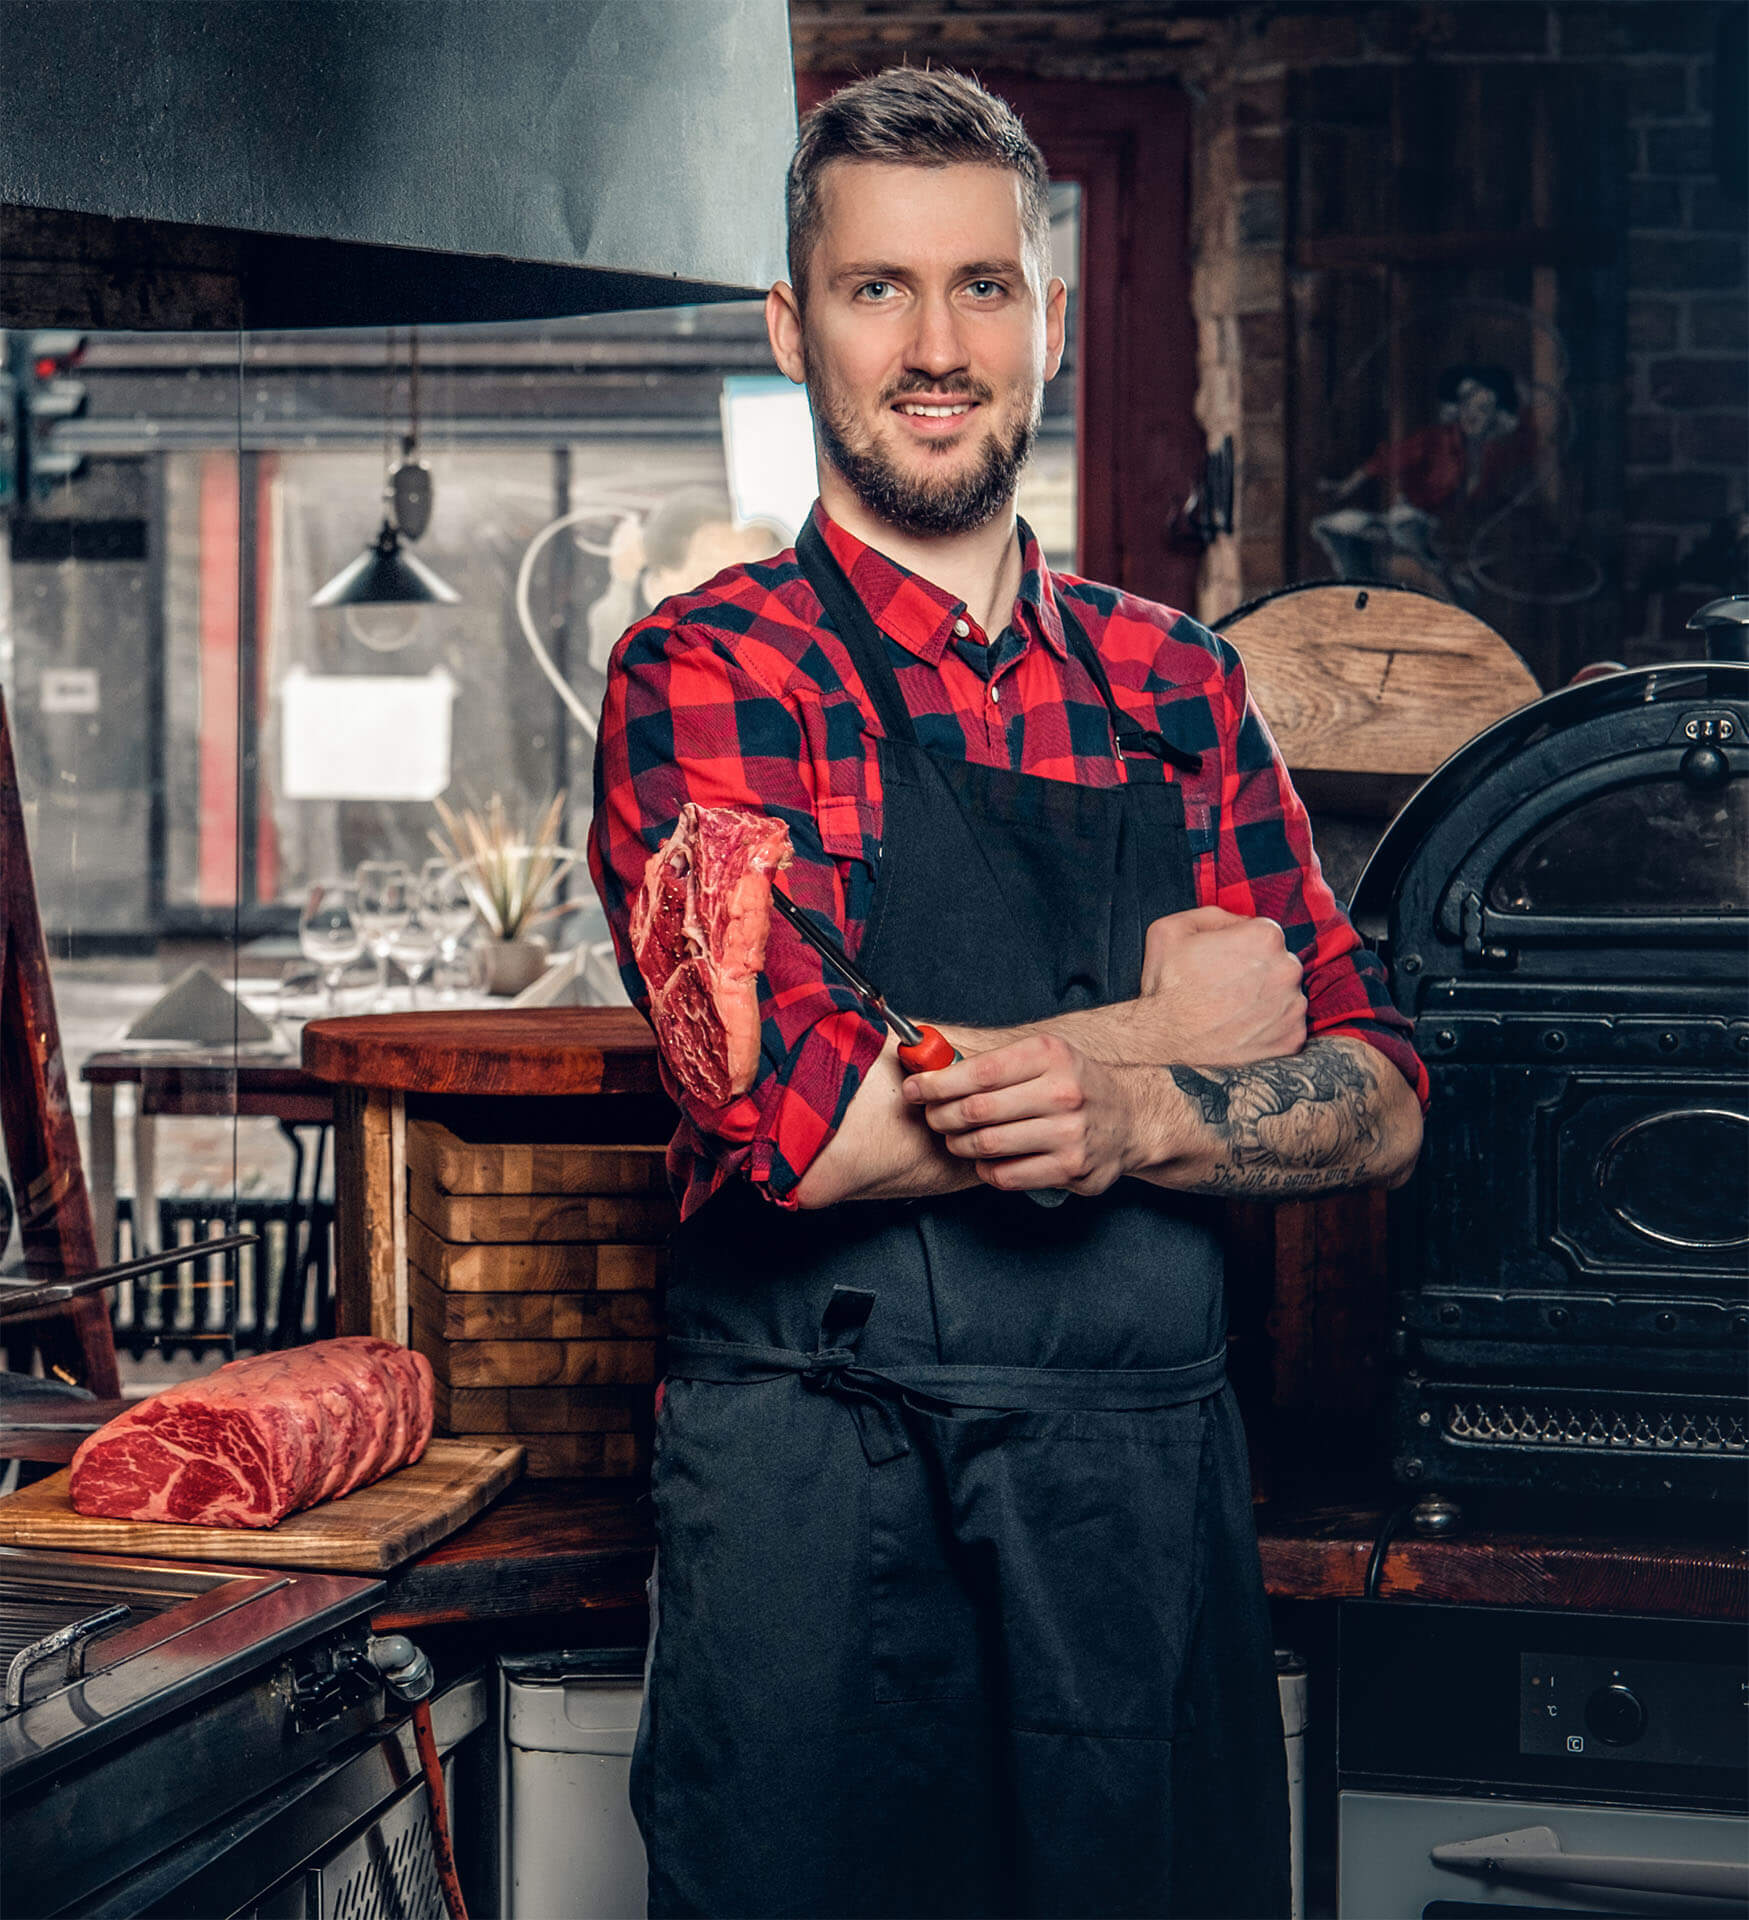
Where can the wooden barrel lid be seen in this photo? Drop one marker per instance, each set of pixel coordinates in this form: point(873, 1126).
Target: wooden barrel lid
point(508, 1050)
point(1374, 679)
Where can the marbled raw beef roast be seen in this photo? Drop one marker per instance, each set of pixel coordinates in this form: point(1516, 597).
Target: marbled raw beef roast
point(699, 925)
point(261, 1437)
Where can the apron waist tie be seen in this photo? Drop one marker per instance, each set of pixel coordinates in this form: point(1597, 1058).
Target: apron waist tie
point(875, 1397)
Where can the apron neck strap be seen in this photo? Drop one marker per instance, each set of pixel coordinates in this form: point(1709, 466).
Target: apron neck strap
point(856, 628)
point(867, 646)
point(1132, 741)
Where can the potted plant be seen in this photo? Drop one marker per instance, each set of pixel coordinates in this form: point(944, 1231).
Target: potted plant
point(510, 869)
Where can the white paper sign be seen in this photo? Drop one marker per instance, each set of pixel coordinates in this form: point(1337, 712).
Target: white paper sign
point(365, 736)
point(768, 446)
point(69, 690)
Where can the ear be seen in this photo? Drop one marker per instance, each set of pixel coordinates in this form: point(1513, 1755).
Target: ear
point(1056, 326)
point(783, 325)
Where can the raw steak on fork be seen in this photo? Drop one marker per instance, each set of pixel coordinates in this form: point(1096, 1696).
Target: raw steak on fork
point(699, 925)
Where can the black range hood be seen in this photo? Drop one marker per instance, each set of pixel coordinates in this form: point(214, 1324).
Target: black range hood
point(187, 164)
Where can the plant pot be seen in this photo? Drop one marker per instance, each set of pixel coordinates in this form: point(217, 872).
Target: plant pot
point(508, 966)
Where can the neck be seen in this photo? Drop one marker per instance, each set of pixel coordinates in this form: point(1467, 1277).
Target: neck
point(982, 567)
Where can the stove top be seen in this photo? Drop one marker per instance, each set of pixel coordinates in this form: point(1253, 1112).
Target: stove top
point(160, 1636)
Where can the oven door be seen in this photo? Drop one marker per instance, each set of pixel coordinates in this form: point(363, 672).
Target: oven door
point(1402, 1856)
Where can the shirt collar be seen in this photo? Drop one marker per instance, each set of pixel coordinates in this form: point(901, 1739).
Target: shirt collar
point(919, 614)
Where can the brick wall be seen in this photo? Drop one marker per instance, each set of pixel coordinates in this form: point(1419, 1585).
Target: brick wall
point(1687, 426)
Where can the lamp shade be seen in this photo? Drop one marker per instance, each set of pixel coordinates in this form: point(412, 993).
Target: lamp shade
point(386, 575)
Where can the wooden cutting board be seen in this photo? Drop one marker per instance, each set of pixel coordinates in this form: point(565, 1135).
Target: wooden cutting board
point(370, 1531)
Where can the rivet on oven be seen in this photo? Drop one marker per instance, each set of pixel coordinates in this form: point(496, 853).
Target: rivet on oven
point(1410, 963)
point(1449, 1315)
point(1668, 1043)
point(1558, 1316)
point(1554, 1040)
point(1665, 1323)
point(1424, 1418)
point(1445, 1038)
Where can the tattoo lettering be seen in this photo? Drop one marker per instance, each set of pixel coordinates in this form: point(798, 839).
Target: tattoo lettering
point(1288, 1128)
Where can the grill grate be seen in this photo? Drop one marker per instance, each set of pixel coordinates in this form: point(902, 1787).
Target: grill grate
point(25, 1621)
point(1596, 1424)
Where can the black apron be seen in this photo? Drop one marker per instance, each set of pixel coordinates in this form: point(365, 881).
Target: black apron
point(959, 1610)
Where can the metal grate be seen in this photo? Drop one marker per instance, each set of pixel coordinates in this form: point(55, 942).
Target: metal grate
point(388, 1872)
point(1598, 1425)
point(190, 1308)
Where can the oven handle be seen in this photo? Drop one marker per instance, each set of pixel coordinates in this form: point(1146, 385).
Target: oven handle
point(1534, 1853)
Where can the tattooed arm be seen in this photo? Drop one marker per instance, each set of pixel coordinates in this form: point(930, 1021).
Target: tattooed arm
point(1336, 1115)
point(1040, 1112)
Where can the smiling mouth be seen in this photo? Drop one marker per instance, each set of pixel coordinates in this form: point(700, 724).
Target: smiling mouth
point(934, 409)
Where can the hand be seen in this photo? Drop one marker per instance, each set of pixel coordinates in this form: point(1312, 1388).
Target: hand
point(1219, 989)
point(1037, 1112)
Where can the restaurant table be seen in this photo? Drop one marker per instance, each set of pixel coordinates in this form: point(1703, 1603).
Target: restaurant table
point(444, 1065)
point(193, 1084)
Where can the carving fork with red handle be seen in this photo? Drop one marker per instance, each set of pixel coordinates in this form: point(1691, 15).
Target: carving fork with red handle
point(921, 1049)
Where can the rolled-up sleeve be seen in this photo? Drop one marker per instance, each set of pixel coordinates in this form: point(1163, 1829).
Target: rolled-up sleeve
point(684, 720)
point(1265, 865)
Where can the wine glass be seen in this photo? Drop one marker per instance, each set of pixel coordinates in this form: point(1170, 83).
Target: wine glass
point(413, 947)
point(329, 934)
point(385, 904)
point(444, 902)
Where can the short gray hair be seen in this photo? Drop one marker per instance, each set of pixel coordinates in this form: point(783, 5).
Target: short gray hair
point(920, 117)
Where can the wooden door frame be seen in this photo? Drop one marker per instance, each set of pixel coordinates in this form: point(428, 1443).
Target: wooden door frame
point(1139, 447)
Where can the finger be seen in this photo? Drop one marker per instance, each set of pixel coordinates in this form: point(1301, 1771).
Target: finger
point(1028, 1099)
point(1172, 926)
point(1005, 1066)
point(1037, 1170)
point(1043, 1134)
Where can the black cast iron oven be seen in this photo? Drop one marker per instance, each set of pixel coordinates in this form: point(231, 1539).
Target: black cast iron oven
point(1565, 910)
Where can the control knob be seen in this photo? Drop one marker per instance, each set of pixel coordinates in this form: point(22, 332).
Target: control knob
point(1615, 1716)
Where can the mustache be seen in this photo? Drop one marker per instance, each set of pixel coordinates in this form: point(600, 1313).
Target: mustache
point(921, 383)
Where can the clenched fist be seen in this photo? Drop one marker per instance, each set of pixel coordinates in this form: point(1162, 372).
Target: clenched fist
point(1220, 990)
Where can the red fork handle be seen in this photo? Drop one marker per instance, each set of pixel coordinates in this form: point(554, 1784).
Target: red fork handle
point(933, 1051)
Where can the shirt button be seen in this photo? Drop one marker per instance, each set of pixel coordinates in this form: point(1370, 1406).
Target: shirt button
point(961, 628)
point(995, 694)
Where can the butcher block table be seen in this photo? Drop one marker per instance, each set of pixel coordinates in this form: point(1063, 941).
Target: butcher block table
point(453, 1068)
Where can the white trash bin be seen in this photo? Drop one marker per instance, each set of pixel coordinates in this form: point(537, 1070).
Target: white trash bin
point(569, 1844)
point(1290, 1678)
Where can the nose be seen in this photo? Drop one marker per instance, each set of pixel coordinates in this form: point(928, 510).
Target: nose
point(935, 347)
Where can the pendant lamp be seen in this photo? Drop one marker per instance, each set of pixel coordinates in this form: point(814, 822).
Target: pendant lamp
point(386, 589)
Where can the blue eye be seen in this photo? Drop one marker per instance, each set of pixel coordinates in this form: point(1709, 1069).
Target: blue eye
point(985, 288)
point(869, 287)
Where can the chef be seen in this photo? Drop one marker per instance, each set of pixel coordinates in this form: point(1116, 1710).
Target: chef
point(959, 1607)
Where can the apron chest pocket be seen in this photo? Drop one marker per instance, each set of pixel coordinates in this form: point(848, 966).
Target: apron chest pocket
point(1045, 1565)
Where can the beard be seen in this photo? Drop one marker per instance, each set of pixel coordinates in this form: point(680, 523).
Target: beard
point(915, 503)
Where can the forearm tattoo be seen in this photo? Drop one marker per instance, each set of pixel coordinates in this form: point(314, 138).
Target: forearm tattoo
point(1289, 1128)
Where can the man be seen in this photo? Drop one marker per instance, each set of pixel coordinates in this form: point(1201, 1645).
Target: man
point(959, 1607)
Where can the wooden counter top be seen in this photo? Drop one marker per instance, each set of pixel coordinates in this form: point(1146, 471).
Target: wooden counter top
point(508, 1050)
point(552, 1545)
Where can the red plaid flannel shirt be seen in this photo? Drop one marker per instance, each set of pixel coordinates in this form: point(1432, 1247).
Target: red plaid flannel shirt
point(737, 695)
